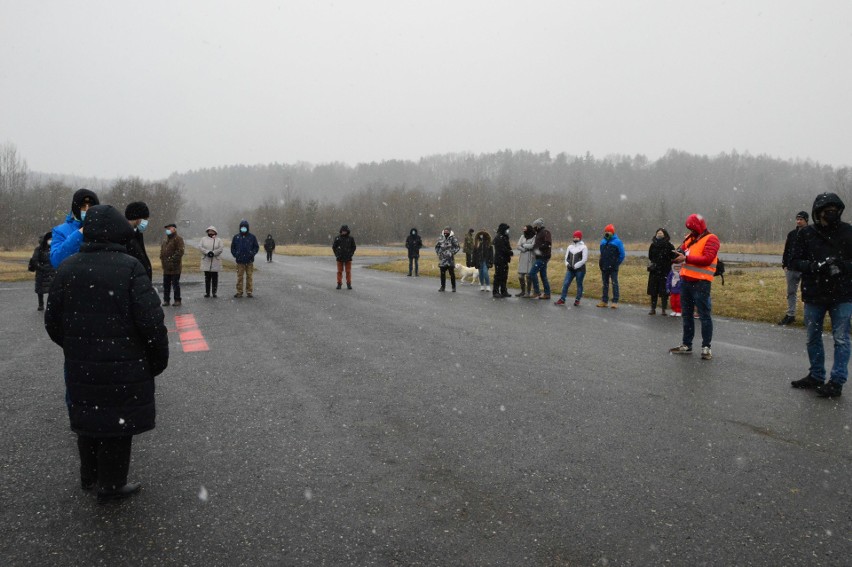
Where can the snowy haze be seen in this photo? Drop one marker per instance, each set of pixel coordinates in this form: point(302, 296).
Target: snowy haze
point(149, 88)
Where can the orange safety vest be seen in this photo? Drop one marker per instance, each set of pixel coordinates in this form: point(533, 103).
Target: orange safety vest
point(698, 272)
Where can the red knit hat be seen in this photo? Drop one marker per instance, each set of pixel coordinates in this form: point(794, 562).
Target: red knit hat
point(578, 234)
point(610, 228)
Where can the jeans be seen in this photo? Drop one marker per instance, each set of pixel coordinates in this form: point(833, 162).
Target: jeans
point(606, 276)
point(692, 295)
point(793, 279)
point(416, 263)
point(484, 278)
point(170, 280)
point(539, 267)
point(814, 318)
point(570, 275)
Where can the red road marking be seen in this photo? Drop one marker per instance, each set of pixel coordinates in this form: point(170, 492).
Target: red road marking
point(191, 339)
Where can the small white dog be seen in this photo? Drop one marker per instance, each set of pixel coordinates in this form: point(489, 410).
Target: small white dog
point(465, 272)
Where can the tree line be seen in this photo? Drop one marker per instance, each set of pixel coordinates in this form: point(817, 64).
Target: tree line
point(744, 198)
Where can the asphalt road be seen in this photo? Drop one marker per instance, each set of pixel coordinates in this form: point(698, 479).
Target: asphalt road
point(395, 425)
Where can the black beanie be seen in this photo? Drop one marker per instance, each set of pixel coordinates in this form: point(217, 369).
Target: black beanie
point(80, 198)
point(137, 210)
point(802, 215)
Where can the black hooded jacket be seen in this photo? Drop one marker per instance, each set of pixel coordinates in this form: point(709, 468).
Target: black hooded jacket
point(343, 245)
point(502, 247)
point(136, 248)
point(413, 243)
point(660, 254)
point(106, 316)
point(482, 250)
point(40, 264)
point(824, 256)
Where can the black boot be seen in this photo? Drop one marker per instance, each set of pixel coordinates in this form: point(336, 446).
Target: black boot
point(523, 283)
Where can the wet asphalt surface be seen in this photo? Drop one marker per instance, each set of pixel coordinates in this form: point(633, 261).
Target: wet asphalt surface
point(395, 425)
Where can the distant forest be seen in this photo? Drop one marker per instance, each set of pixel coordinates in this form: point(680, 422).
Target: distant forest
point(744, 198)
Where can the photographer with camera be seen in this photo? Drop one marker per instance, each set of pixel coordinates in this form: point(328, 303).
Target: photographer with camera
point(823, 254)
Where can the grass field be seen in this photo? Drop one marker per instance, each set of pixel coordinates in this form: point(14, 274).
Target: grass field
point(750, 293)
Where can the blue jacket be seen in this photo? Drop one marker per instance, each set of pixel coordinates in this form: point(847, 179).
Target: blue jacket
point(66, 240)
point(612, 253)
point(244, 246)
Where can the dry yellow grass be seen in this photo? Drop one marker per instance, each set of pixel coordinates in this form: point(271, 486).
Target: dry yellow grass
point(753, 294)
point(776, 248)
point(316, 250)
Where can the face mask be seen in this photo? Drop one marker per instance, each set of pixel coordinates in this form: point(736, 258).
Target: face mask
point(82, 216)
point(831, 217)
point(576, 240)
point(243, 229)
point(143, 224)
point(49, 242)
point(168, 233)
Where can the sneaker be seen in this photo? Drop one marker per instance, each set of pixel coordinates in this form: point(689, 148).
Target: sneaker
point(488, 288)
point(544, 296)
point(560, 301)
point(248, 294)
point(505, 294)
point(786, 320)
point(807, 383)
point(705, 353)
point(238, 295)
point(663, 313)
point(602, 304)
point(214, 295)
point(177, 302)
point(576, 303)
point(682, 349)
point(482, 288)
point(206, 295)
point(829, 390)
point(678, 314)
point(614, 306)
point(453, 290)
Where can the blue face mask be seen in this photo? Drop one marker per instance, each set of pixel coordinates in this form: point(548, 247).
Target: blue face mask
point(82, 216)
point(243, 229)
point(143, 224)
point(168, 233)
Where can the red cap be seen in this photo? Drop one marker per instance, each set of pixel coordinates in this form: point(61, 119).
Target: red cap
point(578, 234)
point(610, 228)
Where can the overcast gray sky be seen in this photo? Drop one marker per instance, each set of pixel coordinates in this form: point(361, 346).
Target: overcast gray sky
point(108, 88)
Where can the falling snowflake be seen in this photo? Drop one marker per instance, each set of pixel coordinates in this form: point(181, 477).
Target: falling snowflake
point(309, 494)
point(203, 494)
point(121, 421)
point(623, 197)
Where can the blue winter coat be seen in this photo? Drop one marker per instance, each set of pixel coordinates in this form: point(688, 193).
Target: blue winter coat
point(244, 246)
point(612, 253)
point(66, 240)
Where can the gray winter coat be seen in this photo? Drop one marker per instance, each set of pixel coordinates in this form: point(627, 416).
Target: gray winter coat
point(525, 260)
point(214, 245)
point(446, 248)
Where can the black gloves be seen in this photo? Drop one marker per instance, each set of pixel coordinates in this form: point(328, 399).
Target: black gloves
point(829, 267)
point(210, 254)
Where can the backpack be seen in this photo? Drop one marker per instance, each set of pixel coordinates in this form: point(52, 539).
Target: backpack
point(720, 270)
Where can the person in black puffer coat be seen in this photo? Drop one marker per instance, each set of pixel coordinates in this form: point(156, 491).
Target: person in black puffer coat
point(502, 256)
point(104, 313)
point(44, 271)
point(823, 254)
point(660, 255)
point(414, 243)
point(344, 248)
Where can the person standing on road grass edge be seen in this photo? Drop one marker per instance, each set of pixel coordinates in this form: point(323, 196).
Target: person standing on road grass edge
point(792, 276)
point(502, 256)
point(823, 254)
point(612, 255)
point(171, 256)
point(244, 248)
point(446, 248)
point(413, 243)
point(698, 253)
point(542, 249)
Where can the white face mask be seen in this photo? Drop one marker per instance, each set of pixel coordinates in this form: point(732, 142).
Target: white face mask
point(168, 232)
point(49, 242)
point(143, 224)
